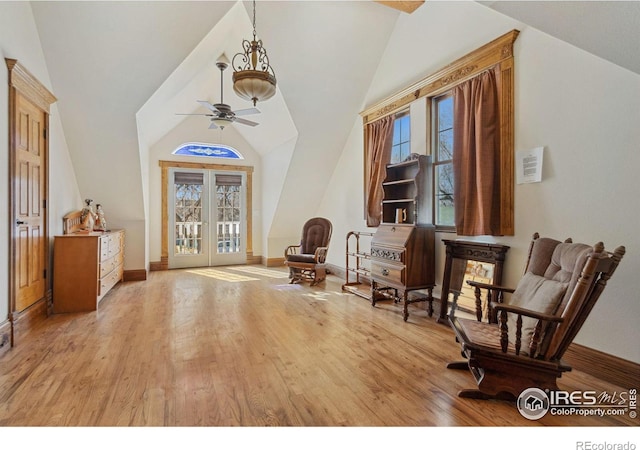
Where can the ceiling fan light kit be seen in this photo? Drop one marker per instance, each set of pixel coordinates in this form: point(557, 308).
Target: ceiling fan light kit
point(253, 76)
point(219, 122)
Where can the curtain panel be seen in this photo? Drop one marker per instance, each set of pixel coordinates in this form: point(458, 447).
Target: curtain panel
point(378, 139)
point(476, 155)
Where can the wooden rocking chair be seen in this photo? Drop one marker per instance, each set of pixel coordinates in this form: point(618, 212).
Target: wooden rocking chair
point(522, 343)
point(307, 260)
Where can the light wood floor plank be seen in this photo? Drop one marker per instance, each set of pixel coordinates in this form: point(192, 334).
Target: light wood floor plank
point(185, 348)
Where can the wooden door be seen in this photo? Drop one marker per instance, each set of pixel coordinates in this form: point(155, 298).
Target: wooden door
point(29, 182)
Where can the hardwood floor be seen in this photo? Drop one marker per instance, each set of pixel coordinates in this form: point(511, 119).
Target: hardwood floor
point(238, 346)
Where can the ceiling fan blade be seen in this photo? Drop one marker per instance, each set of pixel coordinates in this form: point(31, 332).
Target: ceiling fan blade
point(208, 106)
point(245, 122)
point(246, 112)
point(213, 126)
point(188, 114)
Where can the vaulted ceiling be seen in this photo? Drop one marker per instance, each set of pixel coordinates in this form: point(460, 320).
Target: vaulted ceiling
point(121, 70)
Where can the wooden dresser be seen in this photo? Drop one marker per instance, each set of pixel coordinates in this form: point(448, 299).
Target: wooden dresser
point(85, 267)
point(403, 247)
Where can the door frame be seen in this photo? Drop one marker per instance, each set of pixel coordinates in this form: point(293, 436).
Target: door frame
point(22, 82)
point(164, 235)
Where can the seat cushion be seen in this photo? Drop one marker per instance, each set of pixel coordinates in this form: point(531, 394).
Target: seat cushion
point(303, 258)
point(538, 294)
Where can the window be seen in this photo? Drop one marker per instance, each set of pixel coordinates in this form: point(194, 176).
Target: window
point(401, 144)
point(496, 55)
point(443, 201)
point(207, 150)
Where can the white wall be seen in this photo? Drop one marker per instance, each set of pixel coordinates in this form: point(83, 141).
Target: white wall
point(276, 166)
point(584, 110)
point(19, 40)
point(195, 129)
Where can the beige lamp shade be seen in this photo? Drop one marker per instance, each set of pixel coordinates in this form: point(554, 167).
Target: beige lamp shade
point(254, 85)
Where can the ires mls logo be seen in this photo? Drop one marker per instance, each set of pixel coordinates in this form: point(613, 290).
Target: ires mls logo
point(534, 403)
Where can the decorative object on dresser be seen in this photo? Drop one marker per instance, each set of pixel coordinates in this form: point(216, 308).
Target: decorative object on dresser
point(469, 261)
point(101, 221)
point(86, 265)
point(88, 217)
point(306, 261)
point(403, 252)
point(521, 346)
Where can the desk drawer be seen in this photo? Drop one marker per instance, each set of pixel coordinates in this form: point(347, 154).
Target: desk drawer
point(393, 274)
point(389, 254)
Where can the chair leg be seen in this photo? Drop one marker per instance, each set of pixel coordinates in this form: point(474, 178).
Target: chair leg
point(293, 275)
point(318, 275)
point(458, 365)
point(479, 395)
point(475, 394)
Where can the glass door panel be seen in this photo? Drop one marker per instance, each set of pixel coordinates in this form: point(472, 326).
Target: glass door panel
point(188, 242)
point(230, 219)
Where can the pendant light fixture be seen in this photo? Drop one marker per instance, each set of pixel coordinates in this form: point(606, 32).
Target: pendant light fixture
point(253, 77)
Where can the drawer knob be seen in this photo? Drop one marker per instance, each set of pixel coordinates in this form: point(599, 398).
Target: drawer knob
point(385, 272)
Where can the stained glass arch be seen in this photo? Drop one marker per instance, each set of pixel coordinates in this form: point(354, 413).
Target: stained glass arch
point(207, 150)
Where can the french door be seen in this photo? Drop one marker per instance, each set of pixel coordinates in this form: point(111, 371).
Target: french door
point(207, 218)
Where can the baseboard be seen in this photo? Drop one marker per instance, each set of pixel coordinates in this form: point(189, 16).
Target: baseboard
point(612, 369)
point(155, 266)
point(5, 337)
point(163, 264)
point(24, 321)
point(254, 259)
point(272, 262)
point(336, 270)
point(134, 275)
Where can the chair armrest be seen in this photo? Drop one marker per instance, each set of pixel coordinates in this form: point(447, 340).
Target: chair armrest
point(492, 287)
point(321, 254)
point(291, 250)
point(525, 312)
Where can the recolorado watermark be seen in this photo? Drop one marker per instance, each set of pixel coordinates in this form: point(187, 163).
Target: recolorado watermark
point(589, 445)
point(534, 403)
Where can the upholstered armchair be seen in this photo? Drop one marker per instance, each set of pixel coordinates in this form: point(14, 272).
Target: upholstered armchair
point(529, 328)
point(306, 261)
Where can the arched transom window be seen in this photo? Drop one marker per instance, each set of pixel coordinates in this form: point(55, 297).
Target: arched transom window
point(208, 150)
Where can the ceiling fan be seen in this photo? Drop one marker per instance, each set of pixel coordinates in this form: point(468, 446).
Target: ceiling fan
point(221, 114)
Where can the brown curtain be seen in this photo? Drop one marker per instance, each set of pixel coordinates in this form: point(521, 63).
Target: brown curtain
point(476, 156)
point(378, 137)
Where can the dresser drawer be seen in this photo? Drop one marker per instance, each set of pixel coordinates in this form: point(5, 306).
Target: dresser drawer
point(108, 265)
point(110, 245)
point(109, 281)
point(393, 274)
point(104, 247)
point(115, 244)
